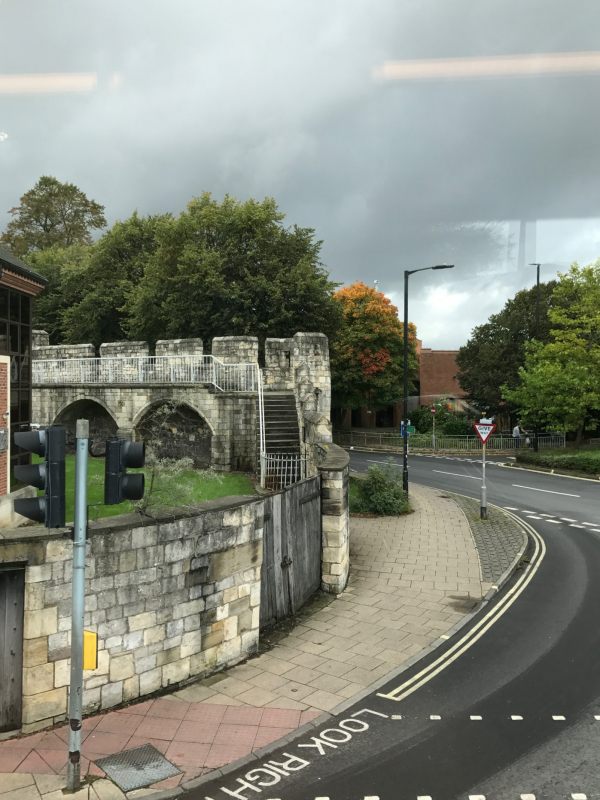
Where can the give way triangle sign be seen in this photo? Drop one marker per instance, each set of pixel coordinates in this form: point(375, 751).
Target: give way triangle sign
point(484, 431)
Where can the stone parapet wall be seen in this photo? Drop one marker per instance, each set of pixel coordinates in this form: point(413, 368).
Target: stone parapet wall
point(236, 349)
point(127, 349)
point(171, 599)
point(179, 347)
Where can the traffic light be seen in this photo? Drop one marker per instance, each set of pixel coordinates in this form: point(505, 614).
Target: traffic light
point(118, 485)
point(48, 475)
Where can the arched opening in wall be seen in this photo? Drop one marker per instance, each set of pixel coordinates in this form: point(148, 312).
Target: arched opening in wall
point(102, 425)
point(172, 430)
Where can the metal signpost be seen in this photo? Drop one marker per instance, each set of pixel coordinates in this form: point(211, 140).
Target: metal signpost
point(484, 431)
point(78, 604)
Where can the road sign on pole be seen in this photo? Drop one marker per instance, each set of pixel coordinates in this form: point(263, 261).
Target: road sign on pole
point(484, 430)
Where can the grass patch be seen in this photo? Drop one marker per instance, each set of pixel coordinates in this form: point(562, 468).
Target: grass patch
point(380, 493)
point(169, 484)
point(585, 460)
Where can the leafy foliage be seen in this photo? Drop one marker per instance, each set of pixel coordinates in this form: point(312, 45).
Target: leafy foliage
point(496, 350)
point(447, 421)
point(559, 385)
point(380, 492)
point(584, 460)
point(232, 268)
point(52, 214)
point(367, 354)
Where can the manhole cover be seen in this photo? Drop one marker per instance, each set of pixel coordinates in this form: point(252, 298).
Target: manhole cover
point(139, 767)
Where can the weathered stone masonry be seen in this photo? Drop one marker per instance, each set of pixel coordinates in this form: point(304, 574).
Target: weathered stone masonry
point(172, 598)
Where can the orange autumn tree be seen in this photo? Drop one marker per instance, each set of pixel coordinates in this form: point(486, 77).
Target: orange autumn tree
point(367, 353)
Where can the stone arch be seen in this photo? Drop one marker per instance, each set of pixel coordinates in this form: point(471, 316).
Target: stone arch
point(174, 429)
point(102, 423)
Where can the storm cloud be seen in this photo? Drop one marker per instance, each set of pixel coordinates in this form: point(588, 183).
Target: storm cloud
point(280, 98)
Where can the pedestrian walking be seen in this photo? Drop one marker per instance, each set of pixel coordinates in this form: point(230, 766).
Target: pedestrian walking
point(517, 435)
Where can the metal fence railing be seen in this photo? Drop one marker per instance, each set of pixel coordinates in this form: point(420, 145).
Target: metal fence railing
point(146, 370)
point(283, 469)
point(426, 441)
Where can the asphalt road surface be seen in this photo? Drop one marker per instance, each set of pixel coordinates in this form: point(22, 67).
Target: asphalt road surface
point(507, 708)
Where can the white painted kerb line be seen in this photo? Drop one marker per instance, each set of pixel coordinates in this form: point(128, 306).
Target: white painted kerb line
point(478, 630)
point(546, 491)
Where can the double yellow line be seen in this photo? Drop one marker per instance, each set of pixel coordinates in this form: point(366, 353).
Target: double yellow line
point(476, 632)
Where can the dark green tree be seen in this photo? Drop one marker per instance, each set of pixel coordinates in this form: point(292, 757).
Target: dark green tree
point(98, 307)
point(232, 268)
point(52, 214)
point(496, 350)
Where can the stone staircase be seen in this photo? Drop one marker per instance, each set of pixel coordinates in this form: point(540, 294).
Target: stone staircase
point(282, 433)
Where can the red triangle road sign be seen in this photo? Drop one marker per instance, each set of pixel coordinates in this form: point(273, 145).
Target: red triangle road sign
point(484, 431)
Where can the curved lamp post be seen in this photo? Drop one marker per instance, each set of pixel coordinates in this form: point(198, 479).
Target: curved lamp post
point(408, 272)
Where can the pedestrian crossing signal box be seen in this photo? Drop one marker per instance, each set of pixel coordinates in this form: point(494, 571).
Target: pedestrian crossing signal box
point(90, 650)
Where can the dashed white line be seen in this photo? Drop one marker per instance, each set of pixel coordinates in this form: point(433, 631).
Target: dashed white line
point(590, 524)
point(458, 474)
point(551, 516)
point(573, 525)
point(511, 508)
point(532, 516)
point(396, 716)
point(516, 717)
point(475, 717)
point(558, 717)
point(597, 716)
point(579, 796)
point(423, 797)
point(546, 491)
point(476, 797)
point(527, 797)
point(434, 716)
point(568, 519)
point(554, 521)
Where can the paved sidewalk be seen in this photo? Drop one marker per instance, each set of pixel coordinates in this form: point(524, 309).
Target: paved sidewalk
point(413, 578)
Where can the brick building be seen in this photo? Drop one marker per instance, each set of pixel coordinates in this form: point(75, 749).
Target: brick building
point(18, 286)
point(437, 376)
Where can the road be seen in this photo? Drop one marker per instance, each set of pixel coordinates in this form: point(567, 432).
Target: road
point(505, 710)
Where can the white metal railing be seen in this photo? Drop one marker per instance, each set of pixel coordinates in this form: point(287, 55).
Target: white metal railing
point(261, 429)
point(147, 370)
point(424, 441)
point(283, 469)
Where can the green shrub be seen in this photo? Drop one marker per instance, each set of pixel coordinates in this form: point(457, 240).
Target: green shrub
point(379, 493)
point(583, 460)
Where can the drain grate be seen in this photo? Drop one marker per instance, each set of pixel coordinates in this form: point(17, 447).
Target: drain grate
point(133, 769)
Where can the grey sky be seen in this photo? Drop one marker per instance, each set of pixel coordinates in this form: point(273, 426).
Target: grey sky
point(273, 97)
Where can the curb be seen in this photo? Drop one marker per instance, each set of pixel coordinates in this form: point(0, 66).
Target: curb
point(265, 751)
point(556, 472)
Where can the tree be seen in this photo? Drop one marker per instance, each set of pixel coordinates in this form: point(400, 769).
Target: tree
point(559, 385)
point(66, 270)
point(52, 214)
point(232, 268)
point(98, 309)
point(496, 350)
point(367, 354)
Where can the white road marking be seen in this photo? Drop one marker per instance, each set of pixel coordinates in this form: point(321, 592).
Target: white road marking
point(527, 797)
point(434, 716)
point(516, 717)
point(596, 716)
point(476, 797)
point(444, 636)
point(579, 796)
point(568, 519)
point(546, 491)
point(558, 717)
point(590, 524)
point(396, 716)
point(475, 717)
point(595, 530)
point(554, 521)
point(532, 516)
point(511, 508)
point(372, 797)
point(572, 525)
point(423, 797)
point(478, 630)
point(458, 474)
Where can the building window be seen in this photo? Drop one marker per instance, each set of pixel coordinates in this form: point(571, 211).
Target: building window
point(15, 341)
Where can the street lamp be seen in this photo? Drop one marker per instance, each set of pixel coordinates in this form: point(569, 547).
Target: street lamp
point(408, 272)
point(537, 265)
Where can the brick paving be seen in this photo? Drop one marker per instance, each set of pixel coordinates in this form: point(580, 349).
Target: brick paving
point(413, 578)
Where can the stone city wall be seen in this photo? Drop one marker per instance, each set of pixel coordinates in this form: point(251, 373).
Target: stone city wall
point(172, 599)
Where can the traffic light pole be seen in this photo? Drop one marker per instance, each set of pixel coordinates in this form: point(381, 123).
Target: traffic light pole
point(78, 605)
